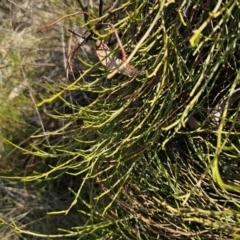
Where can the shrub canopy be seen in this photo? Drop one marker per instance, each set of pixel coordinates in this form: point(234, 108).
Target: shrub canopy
point(155, 154)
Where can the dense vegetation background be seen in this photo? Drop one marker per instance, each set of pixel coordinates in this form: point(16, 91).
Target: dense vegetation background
point(91, 153)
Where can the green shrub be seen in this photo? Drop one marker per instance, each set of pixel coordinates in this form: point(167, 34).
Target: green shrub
point(152, 156)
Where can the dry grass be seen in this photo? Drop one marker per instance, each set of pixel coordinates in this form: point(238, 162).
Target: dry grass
point(30, 63)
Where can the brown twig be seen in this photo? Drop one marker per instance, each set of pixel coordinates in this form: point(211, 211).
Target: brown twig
point(111, 62)
point(60, 19)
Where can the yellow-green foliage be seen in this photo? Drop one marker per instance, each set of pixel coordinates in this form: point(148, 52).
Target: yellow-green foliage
point(141, 157)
